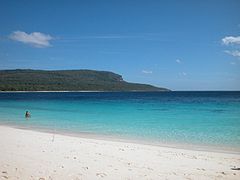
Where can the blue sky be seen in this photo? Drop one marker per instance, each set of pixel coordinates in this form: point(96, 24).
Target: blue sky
point(181, 45)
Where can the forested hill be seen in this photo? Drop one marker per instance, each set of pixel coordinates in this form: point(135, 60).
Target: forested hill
point(67, 80)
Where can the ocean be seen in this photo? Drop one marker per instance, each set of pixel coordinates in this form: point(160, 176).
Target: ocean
point(201, 119)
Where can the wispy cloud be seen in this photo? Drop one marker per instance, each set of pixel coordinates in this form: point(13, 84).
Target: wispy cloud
point(231, 40)
point(36, 39)
point(110, 37)
point(147, 72)
point(235, 42)
point(178, 61)
point(183, 74)
point(235, 53)
point(95, 37)
point(135, 36)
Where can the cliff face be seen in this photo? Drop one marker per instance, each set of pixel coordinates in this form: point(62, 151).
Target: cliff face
point(67, 80)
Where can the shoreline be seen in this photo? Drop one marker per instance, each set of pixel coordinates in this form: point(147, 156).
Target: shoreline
point(79, 91)
point(125, 91)
point(148, 142)
point(48, 91)
point(26, 154)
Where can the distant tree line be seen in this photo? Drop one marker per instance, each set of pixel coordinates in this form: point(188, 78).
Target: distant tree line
point(68, 80)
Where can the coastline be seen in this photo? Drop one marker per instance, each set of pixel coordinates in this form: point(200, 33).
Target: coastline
point(30, 154)
point(47, 91)
point(80, 91)
point(114, 138)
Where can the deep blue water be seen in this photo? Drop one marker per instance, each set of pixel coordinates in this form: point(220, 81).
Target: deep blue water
point(195, 118)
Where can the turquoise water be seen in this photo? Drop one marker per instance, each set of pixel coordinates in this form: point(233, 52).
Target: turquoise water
point(194, 118)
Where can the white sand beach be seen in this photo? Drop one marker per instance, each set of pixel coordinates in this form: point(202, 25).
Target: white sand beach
point(27, 154)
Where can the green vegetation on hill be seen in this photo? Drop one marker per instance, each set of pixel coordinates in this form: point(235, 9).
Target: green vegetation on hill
point(67, 80)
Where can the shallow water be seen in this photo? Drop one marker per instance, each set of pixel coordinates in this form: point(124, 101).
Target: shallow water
point(194, 118)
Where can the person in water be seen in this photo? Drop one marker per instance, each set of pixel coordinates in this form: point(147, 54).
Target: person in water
point(27, 114)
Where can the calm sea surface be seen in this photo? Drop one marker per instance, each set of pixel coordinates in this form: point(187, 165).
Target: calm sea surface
point(194, 118)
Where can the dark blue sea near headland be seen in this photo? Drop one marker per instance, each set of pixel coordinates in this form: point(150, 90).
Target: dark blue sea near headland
point(192, 118)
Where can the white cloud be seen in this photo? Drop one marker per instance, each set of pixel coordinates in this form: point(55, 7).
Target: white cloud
point(35, 39)
point(178, 61)
point(147, 72)
point(182, 74)
point(233, 63)
point(235, 53)
point(231, 40)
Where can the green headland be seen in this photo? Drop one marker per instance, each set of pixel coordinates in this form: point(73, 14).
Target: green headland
point(68, 80)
